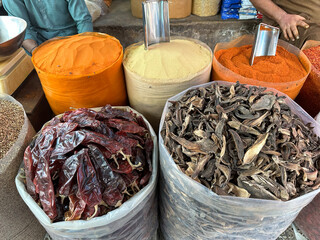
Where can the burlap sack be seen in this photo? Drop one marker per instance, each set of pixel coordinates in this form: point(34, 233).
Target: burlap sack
point(16, 220)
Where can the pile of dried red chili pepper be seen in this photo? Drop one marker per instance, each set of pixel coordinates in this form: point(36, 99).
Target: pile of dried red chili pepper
point(88, 163)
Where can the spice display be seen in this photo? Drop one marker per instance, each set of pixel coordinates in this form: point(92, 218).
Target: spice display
point(12, 120)
point(87, 163)
point(205, 8)
point(284, 67)
point(309, 95)
point(165, 62)
point(242, 141)
point(83, 70)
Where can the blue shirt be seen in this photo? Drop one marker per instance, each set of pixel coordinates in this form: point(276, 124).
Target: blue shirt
point(47, 19)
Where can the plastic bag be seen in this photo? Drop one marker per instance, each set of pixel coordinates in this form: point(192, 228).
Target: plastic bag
point(16, 219)
point(137, 218)
point(189, 210)
point(290, 88)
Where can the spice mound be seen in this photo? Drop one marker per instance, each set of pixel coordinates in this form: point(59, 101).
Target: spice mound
point(242, 141)
point(284, 67)
point(11, 122)
point(313, 55)
point(176, 60)
point(87, 163)
point(77, 55)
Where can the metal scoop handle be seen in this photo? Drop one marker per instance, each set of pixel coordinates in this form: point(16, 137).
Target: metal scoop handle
point(155, 22)
point(266, 41)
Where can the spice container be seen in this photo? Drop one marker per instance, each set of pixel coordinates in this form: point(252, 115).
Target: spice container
point(205, 8)
point(16, 133)
point(75, 72)
point(102, 165)
point(309, 95)
point(177, 8)
point(199, 197)
point(272, 73)
point(154, 75)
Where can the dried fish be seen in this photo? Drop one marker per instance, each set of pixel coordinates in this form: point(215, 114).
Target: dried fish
point(242, 141)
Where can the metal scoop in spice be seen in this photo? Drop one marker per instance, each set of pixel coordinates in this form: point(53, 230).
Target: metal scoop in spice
point(266, 41)
point(155, 22)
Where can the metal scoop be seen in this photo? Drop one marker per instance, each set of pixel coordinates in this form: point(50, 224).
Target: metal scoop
point(155, 22)
point(266, 41)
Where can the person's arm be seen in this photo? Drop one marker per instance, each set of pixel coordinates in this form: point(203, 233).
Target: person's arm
point(17, 8)
point(287, 22)
point(80, 14)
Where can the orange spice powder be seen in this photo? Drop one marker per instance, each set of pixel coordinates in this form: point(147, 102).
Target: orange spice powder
point(77, 55)
point(284, 67)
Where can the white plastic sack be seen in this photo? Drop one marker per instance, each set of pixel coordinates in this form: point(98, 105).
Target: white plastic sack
point(189, 210)
point(136, 219)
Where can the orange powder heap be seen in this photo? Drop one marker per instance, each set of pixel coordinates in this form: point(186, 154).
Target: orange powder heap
point(284, 67)
point(77, 55)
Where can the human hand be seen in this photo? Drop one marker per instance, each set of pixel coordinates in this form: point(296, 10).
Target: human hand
point(289, 22)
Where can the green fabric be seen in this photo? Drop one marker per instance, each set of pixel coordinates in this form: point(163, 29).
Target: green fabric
point(51, 18)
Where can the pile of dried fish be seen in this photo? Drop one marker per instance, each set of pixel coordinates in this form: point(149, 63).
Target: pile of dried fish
point(242, 141)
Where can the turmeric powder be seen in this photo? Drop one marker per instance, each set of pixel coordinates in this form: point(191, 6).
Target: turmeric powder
point(284, 67)
point(77, 55)
point(83, 70)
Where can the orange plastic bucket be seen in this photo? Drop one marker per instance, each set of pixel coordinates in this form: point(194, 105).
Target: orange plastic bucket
point(290, 88)
point(73, 76)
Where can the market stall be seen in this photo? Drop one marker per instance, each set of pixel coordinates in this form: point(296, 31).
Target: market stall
point(239, 158)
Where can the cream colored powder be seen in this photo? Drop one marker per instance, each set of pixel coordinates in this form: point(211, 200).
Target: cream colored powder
point(177, 61)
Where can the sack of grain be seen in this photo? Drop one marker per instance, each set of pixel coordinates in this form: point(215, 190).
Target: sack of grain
point(16, 133)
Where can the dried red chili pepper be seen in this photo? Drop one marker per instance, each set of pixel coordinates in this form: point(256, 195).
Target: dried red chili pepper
point(111, 145)
point(68, 142)
point(45, 188)
point(120, 166)
point(108, 112)
point(68, 173)
point(58, 159)
point(76, 208)
point(89, 189)
point(56, 163)
point(30, 173)
point(148, 149)
point(126, 126)
point(87, 118)
point(90, 212)
point(112, 182)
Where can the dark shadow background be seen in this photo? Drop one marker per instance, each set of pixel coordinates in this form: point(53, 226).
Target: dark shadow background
point(2, 11)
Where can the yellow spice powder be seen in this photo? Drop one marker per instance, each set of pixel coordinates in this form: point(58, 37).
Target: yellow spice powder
point(177, 60)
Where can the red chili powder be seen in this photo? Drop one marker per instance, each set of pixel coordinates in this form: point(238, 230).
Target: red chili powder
point(284, 67)
point(313, 54)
